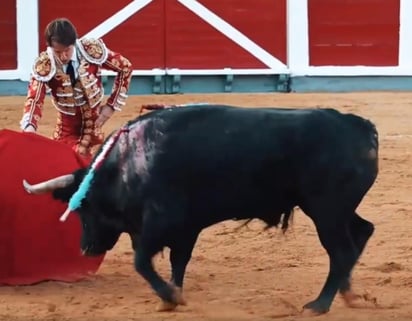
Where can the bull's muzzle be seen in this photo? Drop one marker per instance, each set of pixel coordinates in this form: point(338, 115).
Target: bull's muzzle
point(50, 185)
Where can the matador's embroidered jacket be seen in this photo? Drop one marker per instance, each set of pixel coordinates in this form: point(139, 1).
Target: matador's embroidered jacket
point(78, 105)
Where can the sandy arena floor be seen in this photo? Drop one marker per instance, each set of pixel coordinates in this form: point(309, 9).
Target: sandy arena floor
point(249, 275)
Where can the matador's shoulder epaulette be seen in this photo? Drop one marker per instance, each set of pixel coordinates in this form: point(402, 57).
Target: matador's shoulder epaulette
point(44, 67)
point(93, 50)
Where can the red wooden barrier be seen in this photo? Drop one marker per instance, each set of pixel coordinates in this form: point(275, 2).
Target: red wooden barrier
point(348, 33)
point(8, 32)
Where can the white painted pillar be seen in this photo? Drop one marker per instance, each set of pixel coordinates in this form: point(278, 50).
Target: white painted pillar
point(27, 36)
point(405, 34)
point(298, 35)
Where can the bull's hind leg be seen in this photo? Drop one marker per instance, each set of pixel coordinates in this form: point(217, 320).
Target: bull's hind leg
point(336, 239)
point(361, 230)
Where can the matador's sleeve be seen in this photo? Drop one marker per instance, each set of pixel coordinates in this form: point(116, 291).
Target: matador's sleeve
point(97, 52)
point(43, 71)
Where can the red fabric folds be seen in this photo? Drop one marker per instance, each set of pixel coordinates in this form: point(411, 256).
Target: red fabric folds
point(34, 245)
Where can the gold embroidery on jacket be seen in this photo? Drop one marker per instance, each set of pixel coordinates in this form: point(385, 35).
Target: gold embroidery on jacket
point(93, 92)
point(93, 50)
point(44, 67)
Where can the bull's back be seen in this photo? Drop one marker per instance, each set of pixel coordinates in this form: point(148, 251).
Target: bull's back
point(215, 136)
point(213, 139)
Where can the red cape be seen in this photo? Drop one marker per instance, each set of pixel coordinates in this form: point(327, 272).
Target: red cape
point(34, 245)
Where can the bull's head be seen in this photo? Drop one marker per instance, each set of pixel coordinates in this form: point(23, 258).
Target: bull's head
point(98, 234)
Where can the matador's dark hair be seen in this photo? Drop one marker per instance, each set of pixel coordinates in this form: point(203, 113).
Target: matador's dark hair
point(61, 31)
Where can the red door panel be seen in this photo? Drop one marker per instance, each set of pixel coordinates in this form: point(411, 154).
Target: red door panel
point(354, 32)
point(8, 32)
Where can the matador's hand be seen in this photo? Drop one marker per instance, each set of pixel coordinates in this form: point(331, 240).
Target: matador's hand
point(105, 113)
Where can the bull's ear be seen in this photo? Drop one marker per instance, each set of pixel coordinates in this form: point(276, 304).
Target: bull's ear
point(64, 194)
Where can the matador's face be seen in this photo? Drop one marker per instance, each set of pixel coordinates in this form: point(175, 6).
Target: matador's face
point(62, 53)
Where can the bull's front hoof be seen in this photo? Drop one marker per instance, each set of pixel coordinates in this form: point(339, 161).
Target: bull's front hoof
point(356, 301)
point(311, 313)
point(177, 299)
point(178, 296)
point(313, 309)
point(165, 306)
point(352, 300)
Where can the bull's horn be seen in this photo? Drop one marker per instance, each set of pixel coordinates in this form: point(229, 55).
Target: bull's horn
point(65, 215)
point(50, 185)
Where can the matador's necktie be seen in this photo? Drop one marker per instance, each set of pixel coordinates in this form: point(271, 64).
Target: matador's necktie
point(70, 72)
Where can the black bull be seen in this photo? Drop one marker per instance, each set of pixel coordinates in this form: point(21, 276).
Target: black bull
point(175, 171)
